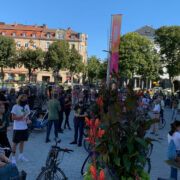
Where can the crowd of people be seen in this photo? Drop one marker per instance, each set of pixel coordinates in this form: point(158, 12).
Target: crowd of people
point(15, 108)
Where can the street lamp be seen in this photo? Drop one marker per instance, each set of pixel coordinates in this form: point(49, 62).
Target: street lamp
point(108, 68)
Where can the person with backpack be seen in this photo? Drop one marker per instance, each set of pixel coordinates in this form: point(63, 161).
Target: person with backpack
point(174, 146)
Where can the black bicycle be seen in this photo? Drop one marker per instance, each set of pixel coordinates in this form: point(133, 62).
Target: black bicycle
point(52, 171)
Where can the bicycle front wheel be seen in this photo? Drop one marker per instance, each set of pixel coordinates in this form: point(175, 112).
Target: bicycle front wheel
point(52, 174)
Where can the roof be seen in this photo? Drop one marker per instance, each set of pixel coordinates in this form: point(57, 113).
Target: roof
point(147, 31)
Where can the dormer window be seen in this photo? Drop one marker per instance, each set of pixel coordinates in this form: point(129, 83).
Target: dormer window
point(3, 33)
point(73, 37)
point(48, 35)
point(24, 34)
point(34, 35)
point(60, 36)
point(14, 34)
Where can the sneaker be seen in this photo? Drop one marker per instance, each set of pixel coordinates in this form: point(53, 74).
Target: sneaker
point(73, 142)
point(80, 144)
point(22, 158)
point(13, 161)
point(48, 140)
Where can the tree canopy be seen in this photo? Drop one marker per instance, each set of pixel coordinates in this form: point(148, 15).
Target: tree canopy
point(102, 70)
point(7, 53)
point(137, 56)
point(75, 64)
point(32, 59)
point(93, 68)
point(57, 55)
point(168, 39)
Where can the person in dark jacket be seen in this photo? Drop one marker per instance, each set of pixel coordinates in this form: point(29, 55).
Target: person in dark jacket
point(67, 110)
point(62, 103)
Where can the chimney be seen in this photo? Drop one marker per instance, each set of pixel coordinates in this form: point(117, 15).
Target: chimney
point(35, 25)
point(15, 23)
point(44, 26)
point(69, 29)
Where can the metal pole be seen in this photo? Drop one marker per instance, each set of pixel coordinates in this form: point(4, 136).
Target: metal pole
point(109, 58)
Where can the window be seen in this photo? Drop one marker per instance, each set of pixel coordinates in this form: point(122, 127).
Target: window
point(24, 34)
point(18, 44)
point(73, 37)
point(3, 33)
point(60, 36)
point(47, 45)
point(26, 44)
point(48, 35)
point(82, 48)
point(83, 38)
point(34, 45)
point(33, 35)
point(14, 34)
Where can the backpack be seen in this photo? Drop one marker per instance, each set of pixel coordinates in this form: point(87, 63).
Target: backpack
point(171, 154)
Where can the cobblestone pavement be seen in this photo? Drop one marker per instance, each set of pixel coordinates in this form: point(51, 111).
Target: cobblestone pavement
point(36, 151)
point(159, 167)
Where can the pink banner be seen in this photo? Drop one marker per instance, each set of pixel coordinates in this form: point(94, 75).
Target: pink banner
point(116, 29)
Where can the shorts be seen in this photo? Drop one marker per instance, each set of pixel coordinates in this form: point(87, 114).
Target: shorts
point(20, 135)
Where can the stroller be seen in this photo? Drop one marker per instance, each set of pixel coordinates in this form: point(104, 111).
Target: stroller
point(39, 119)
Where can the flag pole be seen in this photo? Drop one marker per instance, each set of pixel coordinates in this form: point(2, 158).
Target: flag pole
point(109, 57)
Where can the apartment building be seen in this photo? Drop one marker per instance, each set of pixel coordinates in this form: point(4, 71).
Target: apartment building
point(29, 36)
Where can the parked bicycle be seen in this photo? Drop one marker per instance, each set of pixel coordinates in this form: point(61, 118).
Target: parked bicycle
point(52, 171)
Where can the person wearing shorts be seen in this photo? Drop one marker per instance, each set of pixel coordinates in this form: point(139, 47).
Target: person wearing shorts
point(20, 113)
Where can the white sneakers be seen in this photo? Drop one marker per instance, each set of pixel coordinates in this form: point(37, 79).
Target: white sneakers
point(20, 158)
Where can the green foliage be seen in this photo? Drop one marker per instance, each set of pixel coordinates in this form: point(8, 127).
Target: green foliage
point(93, 68)
point(102, 70)
point(75, 64)
point(57, 55)
point(88, 175)
point(7, 53)
point(168, 39)
point(123, 145)
point(32, 59)
point(138, 56)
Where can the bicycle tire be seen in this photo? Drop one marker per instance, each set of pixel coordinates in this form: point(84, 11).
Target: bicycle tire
point(162, 124)
point(87, 146)
point(83, 170)
point(149, 151)
point(46, 170)
point(148, 165)
point(50, 155)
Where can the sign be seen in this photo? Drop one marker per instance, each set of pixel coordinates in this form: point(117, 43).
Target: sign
point(116, 29)
point(68, 78)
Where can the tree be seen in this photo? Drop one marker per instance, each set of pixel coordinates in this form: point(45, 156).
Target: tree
point(168, 39)
point(75, 64)
point(7, 54)
point(93, 68)
point(137, 56)
point(32, 59)
point(102, 70)
point(57, 55)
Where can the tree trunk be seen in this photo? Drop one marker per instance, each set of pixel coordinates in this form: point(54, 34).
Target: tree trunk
point(2, 76)
point(172, 84)
point(72, 79)
point(29, 74)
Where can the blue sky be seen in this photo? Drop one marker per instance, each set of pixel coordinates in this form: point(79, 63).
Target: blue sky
point(91, 16)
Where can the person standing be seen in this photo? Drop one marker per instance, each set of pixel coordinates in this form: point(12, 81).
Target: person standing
point(53, 116)
point(175, 136)
point(67, 110)
point(4, 126)
point(162, 105)
point(79, 122)
point(174, 109)
point(61, 113)
point(156, 112)
point(20, 113)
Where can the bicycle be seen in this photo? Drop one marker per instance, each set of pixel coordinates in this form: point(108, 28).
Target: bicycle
point(52, 171)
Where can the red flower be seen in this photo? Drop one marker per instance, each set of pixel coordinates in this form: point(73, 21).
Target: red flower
point(101, 175)
point(87, 121)
point(96, 123)
point(100, 133)
point(93, 172)
point(100, 101)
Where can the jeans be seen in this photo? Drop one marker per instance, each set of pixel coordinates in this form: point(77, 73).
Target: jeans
point(60, 120)
point(79, 126)
point(55, 122)
point(9, 171)
point(4, 142)
point(174, 113)
point(174, 172)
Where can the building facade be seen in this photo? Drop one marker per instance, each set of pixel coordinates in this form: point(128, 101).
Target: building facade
point(33, 37)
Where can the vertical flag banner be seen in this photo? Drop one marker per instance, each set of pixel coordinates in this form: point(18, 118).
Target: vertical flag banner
point(116, 29)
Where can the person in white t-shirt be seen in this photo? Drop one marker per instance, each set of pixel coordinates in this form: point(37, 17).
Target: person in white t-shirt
point(20, 113)
point(156, 112)
point(174, 135)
